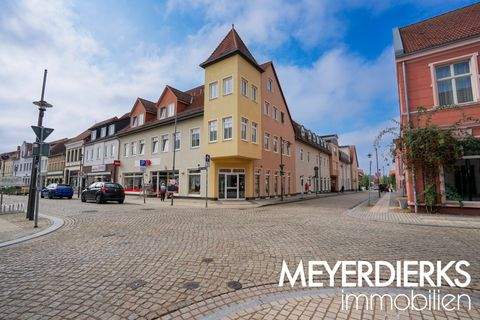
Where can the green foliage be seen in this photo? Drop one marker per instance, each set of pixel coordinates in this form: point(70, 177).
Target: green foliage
point(431, 196)
point(470, 146)
point(452, 194)
point(365, 182)
point(429, 148)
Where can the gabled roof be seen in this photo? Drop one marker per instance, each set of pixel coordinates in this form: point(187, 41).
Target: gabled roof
point(182, 96)
point(150, 106)
point(457, 25)
point(101, 123)
point(230, 45)
point(297, 128)
point(82, 136)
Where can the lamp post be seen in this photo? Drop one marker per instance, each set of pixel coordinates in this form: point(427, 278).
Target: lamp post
point(174, 148)
point(4, 158)
point(42, 107)
point(369, 176)
point(80, 173)
point(378, 173)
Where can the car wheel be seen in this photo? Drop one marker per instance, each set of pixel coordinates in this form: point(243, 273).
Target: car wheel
point(83, 198)
point(120, 201)
point(42, 196)
point(70, 197)
point(98, 199)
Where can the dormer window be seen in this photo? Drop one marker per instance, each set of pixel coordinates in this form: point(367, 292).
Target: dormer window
point(103, 132)
point(111, 129)
point(93, 135)
point(134, 121)
point(141, 119)
point(170, 110)
point(302, 132)
point(162, 114)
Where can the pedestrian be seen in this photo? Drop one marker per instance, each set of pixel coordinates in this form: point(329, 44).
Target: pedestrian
point(342, 189)
point(307, 187)
point(163, 191)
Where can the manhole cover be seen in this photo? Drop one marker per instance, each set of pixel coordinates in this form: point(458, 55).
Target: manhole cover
point(137, 284)
point(207, 260)
point(235, 285)
point(108, 235)
point(89, 211)
point(191, 285)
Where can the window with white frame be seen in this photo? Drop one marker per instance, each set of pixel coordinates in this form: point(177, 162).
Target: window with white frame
point(154, 145)
point(266, 108)
point(141, 119)
point(194, 181)
point(213, 90)
point(170, 110)
point(454, 83)
point(244, 87)
point(227, 128)
point(105, 151)
point(266, 141)
point(212, 130)
point(270, 85)
point(93, 135)
point(254, 132)
point(275, 144)
point(134, 121)
point(133, 148)
point(112, 150)
point(243, 128)
point(164, 141)
point(254, 93)
point(125, 150)
point(162, 113)
point(176, 140)
point(111, 129)
point(227, 86)
point(195, 137)
point(103, 132)
point(99, 151)
point(141, 147)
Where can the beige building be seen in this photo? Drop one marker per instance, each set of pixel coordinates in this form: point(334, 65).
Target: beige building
point(7, 162)
point(152, 139)
point(73, 160)
point(312, 163)
point(56, 162)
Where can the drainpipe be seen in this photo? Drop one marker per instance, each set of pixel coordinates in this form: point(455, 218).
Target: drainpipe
point(414, 184)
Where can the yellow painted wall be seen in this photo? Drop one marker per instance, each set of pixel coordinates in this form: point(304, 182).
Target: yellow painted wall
point(235, 153)
point(235, 105)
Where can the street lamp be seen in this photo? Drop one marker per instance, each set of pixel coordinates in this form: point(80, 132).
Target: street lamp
point(42, 107)
point(369, 176)
point(282, 167)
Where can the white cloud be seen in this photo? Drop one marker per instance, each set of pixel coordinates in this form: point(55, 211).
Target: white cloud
point(339, 87)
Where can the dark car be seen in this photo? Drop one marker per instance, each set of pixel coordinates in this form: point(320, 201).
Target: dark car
point(100, 192)
point(56, 190)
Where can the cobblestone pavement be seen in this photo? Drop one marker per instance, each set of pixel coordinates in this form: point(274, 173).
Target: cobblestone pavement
point(14, 225)
point(144, 261)
point(384, 211)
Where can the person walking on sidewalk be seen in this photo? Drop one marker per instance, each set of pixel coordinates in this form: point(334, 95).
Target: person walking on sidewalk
point(163, 191)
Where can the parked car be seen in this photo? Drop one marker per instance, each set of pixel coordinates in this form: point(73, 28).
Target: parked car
point(57, 190)
point(100, 192)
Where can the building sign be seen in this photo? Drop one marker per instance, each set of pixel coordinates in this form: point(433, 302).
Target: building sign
point(99, 168)
point(116, 163)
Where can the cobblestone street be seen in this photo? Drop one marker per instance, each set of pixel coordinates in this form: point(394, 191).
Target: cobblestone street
point(128, 261)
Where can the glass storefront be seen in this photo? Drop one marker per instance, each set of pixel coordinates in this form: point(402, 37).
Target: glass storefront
point(132, 182)
point(194, 181)
point(463, 180)
point(231, 184)
point(166, 177)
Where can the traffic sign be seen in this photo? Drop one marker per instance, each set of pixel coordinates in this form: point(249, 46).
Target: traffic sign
point(42, 149)
point(38, 132)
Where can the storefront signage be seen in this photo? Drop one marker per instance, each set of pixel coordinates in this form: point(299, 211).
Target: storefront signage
point(116, 163)
point(98, 168)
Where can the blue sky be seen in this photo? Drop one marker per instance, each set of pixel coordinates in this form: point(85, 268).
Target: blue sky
point(334, 58)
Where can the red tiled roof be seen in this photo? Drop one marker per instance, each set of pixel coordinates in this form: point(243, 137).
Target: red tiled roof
point(103, 122)
point(231, 44)
point(460, 24)
point(182, 96)
point(150, 106)
point(297, 129)
point(85, 134)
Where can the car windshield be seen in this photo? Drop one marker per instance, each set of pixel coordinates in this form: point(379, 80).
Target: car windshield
point(113, 185)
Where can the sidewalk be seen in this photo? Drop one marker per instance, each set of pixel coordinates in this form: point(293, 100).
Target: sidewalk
point(386, 210)
point(234, 204)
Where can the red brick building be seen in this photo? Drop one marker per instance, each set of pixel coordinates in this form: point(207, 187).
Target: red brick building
point(438, 70)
